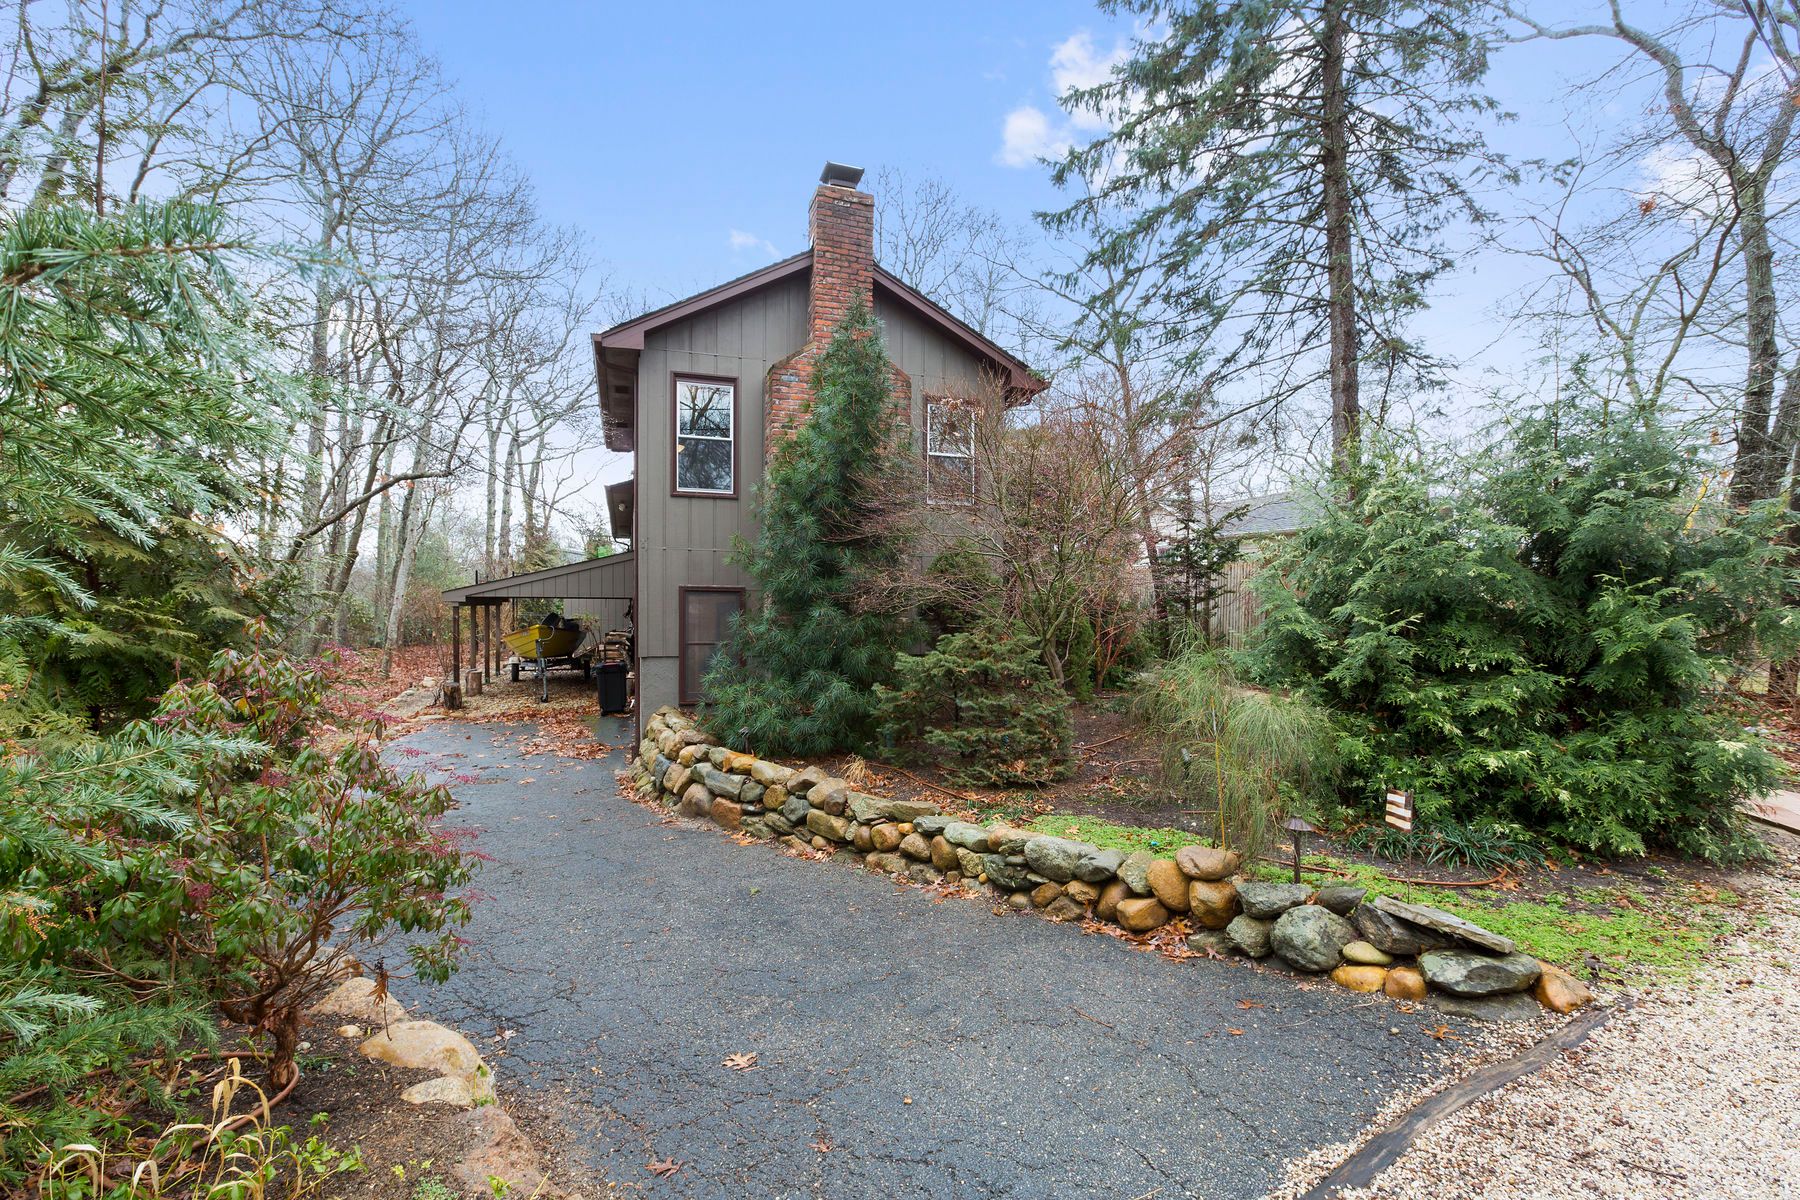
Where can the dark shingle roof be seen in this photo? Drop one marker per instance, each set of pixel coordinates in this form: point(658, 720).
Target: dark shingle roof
point(1276, 512)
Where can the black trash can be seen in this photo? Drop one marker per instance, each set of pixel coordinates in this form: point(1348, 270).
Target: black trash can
point(614, 693)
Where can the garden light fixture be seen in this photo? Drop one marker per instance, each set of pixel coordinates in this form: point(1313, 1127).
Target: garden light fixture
point(1299, 829)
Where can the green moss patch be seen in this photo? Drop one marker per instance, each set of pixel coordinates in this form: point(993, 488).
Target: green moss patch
point(1109, 835)
point(1641, 936)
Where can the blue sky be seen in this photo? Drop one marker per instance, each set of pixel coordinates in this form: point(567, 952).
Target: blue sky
point(685, 139)
point(662, 129)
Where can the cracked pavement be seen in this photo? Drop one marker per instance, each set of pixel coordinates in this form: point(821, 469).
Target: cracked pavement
point(906, 1046)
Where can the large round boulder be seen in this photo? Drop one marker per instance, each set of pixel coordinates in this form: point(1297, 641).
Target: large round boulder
point(1141, 914)
point(1006, 872)
point(1311, 938)
point(1250, 936)
point(1341, 899)
point(1135, 871)
point(1208, 863)
point(1169, 884)
point(1212, 905)
point(1099, 866)
point(1054, 858)
point(1393, 935)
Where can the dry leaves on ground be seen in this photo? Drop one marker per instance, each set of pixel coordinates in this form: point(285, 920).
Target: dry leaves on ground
point(741, 1062)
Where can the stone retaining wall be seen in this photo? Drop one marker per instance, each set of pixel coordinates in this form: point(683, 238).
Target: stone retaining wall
point(1365, 944)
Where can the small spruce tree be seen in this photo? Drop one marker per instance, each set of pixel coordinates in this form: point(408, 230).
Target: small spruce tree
point(985, 701)
point(800, 670)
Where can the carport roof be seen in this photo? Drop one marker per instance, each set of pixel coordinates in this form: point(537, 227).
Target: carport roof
point(611, 578)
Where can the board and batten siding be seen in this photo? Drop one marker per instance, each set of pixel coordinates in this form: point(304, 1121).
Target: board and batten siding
point(684, 541)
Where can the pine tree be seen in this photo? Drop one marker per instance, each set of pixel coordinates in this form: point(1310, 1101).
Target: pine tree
point(1283, 171)
point(800, 671)
point(1537, 634)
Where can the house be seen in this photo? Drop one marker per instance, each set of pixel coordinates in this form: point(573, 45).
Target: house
point(699, 391)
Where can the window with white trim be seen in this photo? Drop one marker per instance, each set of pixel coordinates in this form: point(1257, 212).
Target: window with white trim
point(705, 432)
point(949, 452)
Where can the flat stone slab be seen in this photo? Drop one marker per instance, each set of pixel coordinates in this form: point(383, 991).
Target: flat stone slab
point(1445, 923)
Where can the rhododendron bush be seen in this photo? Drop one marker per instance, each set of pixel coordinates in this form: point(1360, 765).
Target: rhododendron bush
point(224, 857)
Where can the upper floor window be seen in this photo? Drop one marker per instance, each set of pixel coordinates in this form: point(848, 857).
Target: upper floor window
point(949, 451)
point(705, 436)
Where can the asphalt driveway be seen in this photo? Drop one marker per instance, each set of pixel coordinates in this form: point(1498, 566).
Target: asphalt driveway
point(905, 1046)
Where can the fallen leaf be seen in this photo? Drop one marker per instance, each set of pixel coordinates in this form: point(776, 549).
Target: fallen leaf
point(663, 1168)
point(741, 1062)
point(1250, 1003)
point(1235, 1032)
point(822, 1146)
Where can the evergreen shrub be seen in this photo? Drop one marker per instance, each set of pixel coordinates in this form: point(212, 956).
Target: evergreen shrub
point(984, 701)
point(1541, 642)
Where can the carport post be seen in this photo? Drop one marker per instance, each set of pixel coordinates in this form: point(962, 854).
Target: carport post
point(456, 643)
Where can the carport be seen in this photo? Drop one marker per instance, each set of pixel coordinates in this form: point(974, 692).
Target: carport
point(598, 590)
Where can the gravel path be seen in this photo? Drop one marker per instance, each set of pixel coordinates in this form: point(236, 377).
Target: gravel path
point(907, 1045)
point(1692, 1092)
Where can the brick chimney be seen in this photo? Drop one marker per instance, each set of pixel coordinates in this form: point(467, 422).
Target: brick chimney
point(841, 226)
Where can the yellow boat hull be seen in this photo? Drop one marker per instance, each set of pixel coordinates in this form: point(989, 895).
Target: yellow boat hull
point(541, 641)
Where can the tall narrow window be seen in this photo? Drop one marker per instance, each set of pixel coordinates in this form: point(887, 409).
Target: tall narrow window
point(949, 452)
point(705, 436)
point(705, 620)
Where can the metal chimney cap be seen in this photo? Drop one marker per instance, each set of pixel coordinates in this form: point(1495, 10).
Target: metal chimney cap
point(838, 174)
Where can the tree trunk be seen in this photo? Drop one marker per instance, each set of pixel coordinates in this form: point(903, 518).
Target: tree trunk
point(1340, 279)
point(504, 555)
point(1759, 460)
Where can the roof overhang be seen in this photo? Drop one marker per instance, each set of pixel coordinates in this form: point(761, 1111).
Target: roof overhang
point(1019, 378)
point(621, 509)
point(611, 578)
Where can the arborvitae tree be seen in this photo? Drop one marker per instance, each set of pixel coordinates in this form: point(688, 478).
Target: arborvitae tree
point(800, 670)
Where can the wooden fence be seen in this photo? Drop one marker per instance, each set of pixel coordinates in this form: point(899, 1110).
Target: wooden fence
point(1235, 614)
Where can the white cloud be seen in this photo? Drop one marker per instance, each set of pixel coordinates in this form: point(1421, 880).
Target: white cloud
point(1078, 63)
point(1029, 133)
point(743, 243)
point(1026, 136)
point(1684, 179)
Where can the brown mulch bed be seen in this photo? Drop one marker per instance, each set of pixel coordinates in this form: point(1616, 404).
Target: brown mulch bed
point(1115, 777)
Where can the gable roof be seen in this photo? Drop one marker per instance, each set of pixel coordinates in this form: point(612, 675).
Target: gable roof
point(629, 335)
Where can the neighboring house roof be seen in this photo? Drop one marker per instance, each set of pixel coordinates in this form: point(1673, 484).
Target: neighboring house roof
point(628, 336)
point(1268, 515)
